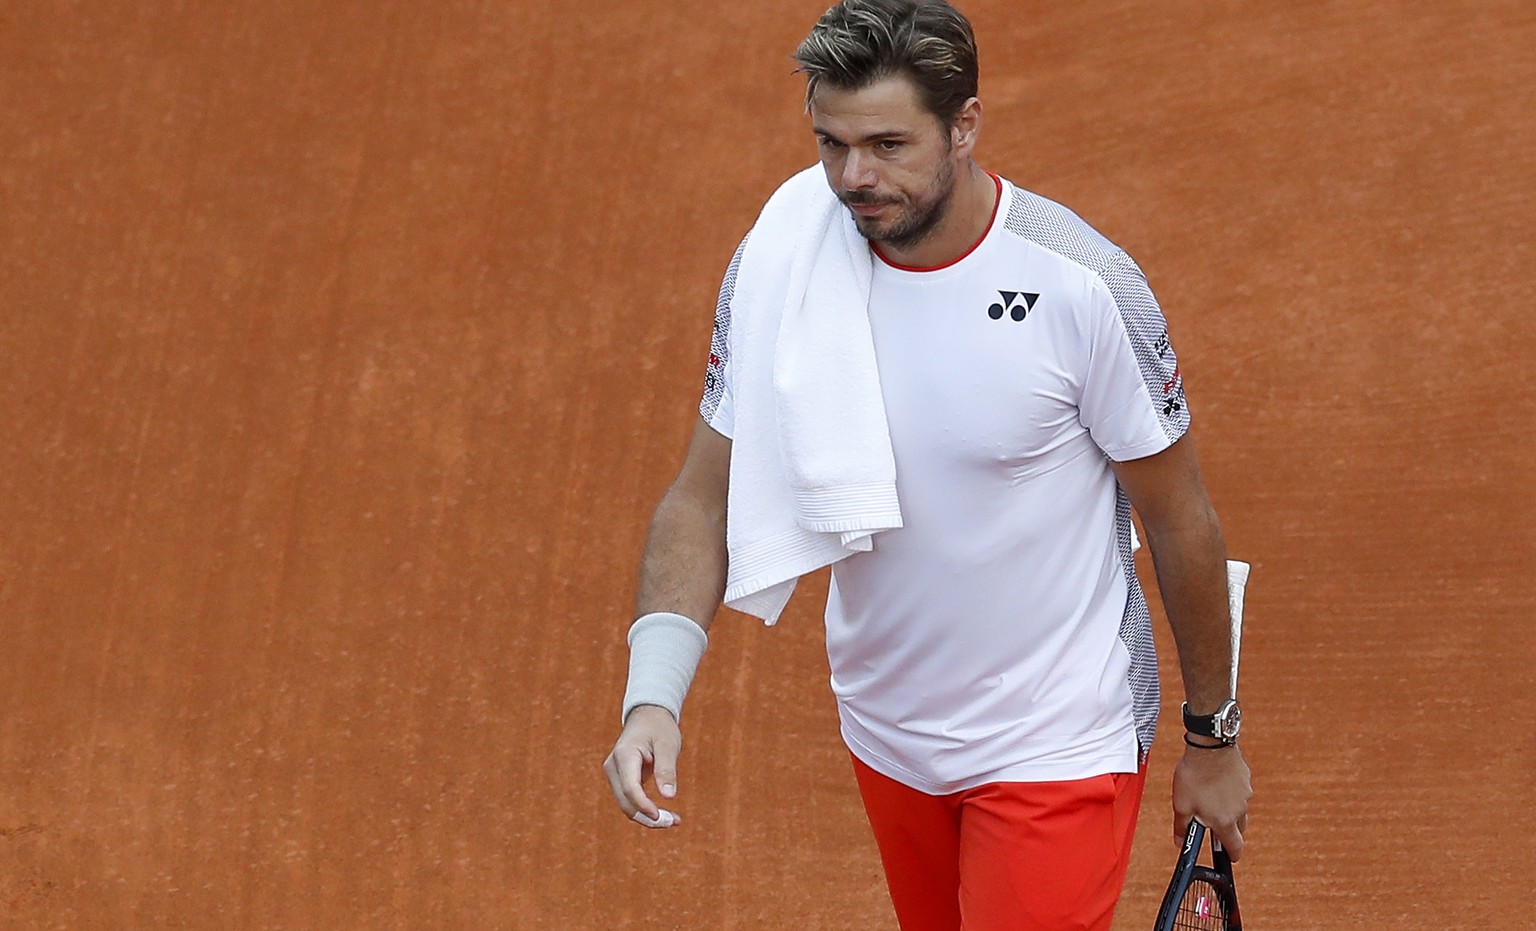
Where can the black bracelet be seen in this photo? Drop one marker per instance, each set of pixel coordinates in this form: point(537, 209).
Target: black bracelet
point(1220, 746)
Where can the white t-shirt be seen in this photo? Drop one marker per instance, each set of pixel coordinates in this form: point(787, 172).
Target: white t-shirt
point(1000, 634)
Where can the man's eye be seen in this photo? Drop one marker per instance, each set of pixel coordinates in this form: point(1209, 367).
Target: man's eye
point(831, 144)
point(888, 145)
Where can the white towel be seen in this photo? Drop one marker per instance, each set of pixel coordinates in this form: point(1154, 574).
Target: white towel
point(812, 474)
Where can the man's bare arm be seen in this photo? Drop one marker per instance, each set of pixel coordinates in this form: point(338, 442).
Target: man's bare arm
point(1189, 554)
point(681, 572)
point(683, 566)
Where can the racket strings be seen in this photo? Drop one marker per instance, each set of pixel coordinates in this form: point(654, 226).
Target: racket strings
point(1201, 909)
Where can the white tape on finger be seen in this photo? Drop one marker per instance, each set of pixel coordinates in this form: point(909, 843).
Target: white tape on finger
point(665, 819)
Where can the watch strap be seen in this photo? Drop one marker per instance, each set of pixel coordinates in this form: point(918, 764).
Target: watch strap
point(1205, 725)
point(1202, 724)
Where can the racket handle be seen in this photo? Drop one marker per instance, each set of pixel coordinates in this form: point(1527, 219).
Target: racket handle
point(1237, 581)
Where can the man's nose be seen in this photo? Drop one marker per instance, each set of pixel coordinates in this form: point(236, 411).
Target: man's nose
point(858, 170)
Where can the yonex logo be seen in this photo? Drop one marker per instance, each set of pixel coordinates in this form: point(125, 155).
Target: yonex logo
point(1017, 311)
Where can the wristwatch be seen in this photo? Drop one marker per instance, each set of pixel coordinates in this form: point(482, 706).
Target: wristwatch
point(1224, 725)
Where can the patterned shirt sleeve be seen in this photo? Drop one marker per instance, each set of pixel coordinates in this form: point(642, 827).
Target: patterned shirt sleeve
point(715, 407)
point(1134, 400)
point(1148, 332)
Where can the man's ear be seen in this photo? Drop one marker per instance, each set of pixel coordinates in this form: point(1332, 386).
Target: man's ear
point(965, 127)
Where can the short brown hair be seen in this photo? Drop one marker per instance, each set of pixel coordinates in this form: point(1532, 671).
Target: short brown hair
point(859, 42)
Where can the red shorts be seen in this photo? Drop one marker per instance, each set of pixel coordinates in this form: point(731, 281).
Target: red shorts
point(1008, 856)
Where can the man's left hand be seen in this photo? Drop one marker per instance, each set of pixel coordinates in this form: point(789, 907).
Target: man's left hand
point(1212, 785)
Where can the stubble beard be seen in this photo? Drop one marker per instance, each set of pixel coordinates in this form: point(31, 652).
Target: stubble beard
point(917, 221)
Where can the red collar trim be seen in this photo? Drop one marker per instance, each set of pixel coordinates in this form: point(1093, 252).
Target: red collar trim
point(962, 256)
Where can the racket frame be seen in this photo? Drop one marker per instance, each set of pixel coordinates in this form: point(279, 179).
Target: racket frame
point(1189, 870)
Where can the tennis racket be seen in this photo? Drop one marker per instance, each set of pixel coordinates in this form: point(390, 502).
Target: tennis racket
point(1200, 898)
point(1204, 898)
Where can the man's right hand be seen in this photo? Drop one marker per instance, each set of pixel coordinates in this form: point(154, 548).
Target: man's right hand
point(646, 749)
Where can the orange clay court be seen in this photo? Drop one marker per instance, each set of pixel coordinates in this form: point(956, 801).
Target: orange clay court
point(347, 347)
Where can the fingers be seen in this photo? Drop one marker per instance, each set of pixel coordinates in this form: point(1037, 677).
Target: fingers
point(625, 769)
point(666, 767)
point(1230, 828)
point(1231, 837)
point(1228, 832)
point(646, 748)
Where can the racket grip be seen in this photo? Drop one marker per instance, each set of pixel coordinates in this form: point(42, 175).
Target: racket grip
point(1237, 582)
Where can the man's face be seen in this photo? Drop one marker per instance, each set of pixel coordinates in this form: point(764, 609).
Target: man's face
point(887, 158)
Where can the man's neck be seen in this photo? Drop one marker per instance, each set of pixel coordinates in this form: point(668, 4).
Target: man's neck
point(970, 214)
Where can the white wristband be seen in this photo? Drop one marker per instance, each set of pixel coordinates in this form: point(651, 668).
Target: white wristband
point(664, 653)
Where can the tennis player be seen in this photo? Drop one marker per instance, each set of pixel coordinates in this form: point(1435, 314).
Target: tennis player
point(992, 658)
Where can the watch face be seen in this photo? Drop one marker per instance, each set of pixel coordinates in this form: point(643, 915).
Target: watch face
point(1229, 721)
